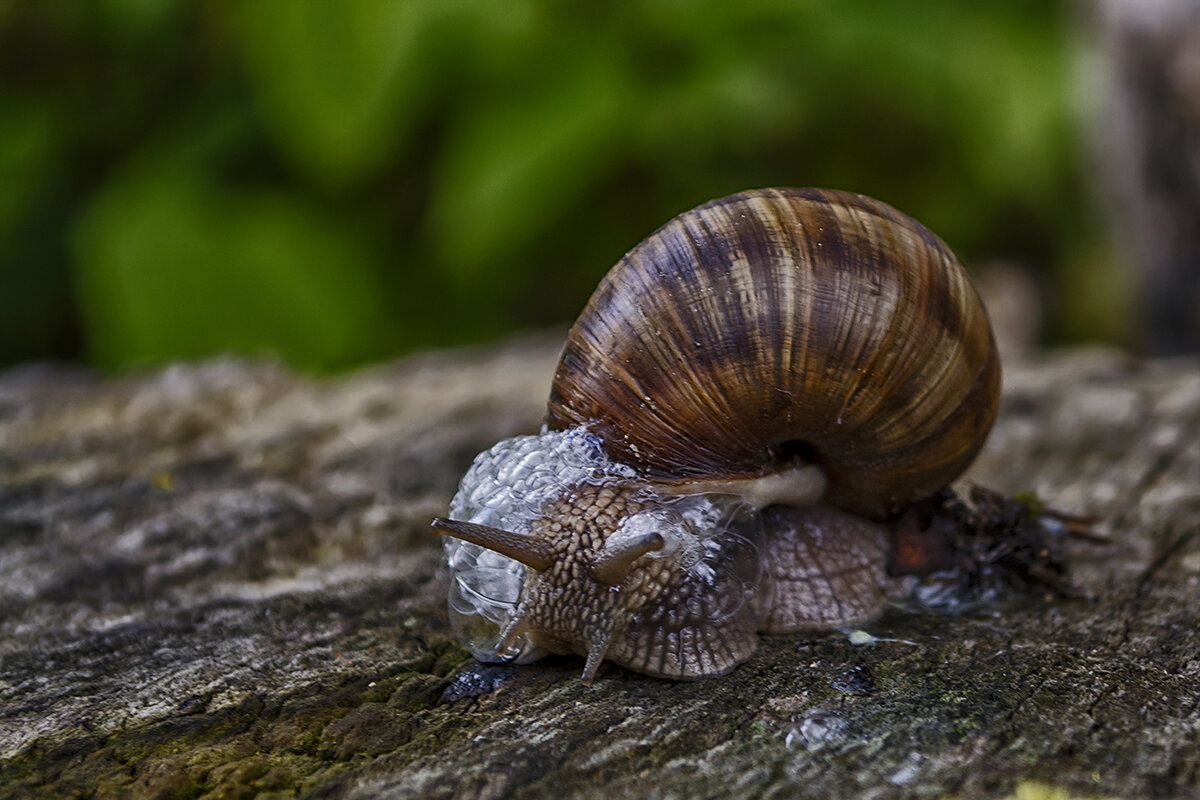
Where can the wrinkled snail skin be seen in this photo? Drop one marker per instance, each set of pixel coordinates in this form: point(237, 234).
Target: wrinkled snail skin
point(757, 383)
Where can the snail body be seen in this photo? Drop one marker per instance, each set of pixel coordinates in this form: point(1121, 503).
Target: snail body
point(748, 395)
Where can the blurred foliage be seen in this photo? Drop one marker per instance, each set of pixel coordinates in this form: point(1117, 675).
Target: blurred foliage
point(342, 181)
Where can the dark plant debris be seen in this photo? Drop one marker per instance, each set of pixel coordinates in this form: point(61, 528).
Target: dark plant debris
point(978, 549)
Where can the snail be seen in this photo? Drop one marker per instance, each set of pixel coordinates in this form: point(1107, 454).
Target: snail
point(748, 397)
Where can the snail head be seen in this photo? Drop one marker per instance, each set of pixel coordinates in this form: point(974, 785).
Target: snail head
point(623, 574)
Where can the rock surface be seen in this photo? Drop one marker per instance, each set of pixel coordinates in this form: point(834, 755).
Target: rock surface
point(218, 582)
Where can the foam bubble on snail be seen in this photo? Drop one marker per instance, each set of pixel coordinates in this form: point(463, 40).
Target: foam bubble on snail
point(704, 542)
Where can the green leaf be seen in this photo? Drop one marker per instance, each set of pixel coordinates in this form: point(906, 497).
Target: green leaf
point(134, 18)
point(512, 165)
point(168, 266)
point(30, 146)
point(339, 83)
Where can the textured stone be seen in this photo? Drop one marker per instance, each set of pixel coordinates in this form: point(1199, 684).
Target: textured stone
point(217, 581)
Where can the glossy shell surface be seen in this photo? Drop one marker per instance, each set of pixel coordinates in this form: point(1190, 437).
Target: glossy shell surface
point(785, 323)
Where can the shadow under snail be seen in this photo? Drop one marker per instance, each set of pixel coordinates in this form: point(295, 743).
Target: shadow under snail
point(749, 395)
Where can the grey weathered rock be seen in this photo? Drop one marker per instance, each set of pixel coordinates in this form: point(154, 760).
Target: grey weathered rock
point(217, 581)
point(1145, 127)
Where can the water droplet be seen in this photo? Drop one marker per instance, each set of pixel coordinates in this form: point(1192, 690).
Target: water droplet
point(818, 729)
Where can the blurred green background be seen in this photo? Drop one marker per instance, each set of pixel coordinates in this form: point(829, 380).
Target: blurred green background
point(342, 181)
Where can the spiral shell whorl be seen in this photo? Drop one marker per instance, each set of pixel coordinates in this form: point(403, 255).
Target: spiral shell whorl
point(780, 322)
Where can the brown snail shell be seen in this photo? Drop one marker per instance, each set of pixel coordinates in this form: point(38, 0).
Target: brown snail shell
point(815, 353)
point(784, 322)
